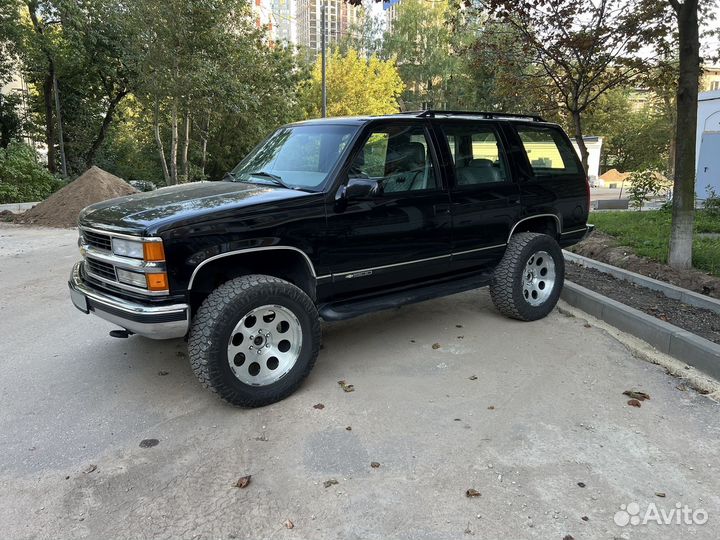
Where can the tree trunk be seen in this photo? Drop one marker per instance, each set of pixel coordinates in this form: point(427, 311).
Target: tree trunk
point(174, 145)
point(158, 141)
point(49, 124)
point(683, 210)
point(184, 149)
point(580, 141)
point(204, 137)
point(107, 120)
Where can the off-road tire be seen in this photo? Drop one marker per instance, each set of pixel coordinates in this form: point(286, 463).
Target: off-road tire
point(506, 289)
point(215, 320)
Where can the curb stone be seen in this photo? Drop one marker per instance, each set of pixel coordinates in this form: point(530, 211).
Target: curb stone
point(694, 350)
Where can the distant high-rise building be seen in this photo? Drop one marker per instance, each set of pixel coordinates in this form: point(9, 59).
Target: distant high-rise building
point(284, 20)
point(340, 18)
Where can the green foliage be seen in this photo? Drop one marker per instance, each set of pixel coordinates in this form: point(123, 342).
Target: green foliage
point(22, 178)
point(420, 41)
point(634, 138)
point(643, 184)
point(648, 233)
point(355, 86)
point(712, 204)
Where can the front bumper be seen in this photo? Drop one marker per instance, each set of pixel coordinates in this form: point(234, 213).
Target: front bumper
point(156, 322)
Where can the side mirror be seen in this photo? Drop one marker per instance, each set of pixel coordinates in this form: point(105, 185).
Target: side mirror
point(363, 188)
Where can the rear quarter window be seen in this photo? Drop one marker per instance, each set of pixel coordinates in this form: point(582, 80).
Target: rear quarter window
point(548, 151)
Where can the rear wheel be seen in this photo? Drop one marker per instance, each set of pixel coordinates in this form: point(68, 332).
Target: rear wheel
point(254, 339)
point(528, 281)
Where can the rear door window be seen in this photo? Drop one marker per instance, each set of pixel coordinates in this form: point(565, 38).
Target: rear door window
point(548, 151)
point(477, 154)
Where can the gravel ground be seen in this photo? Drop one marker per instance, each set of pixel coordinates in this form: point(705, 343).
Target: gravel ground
point(448, 396)
point(702, 322)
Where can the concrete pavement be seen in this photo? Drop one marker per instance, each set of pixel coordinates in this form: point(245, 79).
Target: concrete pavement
point(543, 433)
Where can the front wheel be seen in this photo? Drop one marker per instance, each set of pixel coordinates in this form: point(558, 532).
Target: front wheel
point(528, 281)
point(254, 339)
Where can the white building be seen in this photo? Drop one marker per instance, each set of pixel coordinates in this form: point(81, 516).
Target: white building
point(707, 153)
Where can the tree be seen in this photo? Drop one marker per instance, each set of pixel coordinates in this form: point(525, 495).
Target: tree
point(633, 139)
point(420, 40)
point(683, 208)
point(355, 86)
point(584, 47)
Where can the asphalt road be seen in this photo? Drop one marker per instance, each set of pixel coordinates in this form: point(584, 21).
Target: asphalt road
point(543, 433)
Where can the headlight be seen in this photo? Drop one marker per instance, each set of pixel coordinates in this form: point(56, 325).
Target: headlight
point(131, 278)
point(127, 248)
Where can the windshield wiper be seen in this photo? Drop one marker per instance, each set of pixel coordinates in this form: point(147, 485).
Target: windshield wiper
point(274, 178)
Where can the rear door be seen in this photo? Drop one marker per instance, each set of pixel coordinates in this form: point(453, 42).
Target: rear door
point(485, 199)
point(554, 181)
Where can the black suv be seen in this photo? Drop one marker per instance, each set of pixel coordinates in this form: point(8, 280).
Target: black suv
point(331, 219)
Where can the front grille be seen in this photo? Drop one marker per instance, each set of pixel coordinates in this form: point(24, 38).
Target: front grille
point(97, 240)
point(101, 269)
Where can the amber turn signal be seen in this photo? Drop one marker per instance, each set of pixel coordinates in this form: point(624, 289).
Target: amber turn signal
point(153, 251)
point(157, 282)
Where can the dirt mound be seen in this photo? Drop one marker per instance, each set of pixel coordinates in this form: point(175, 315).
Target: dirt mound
point(605, 248)
point(613, 175)
point(63, 207)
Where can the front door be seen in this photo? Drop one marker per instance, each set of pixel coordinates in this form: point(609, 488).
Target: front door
point(402, 235)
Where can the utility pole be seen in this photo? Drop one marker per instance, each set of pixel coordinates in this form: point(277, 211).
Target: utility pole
point(60, 129)
point(323, 54)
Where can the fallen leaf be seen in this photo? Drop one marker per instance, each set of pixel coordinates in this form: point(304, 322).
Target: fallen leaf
point(435, 345)
point(243, 481)
point(461, 337)
point(412, 341)
point(472, 493)
point(660, 494)
point(458, 326)
point(585, 518)
point(568, 537)
point(349, 428)
point(456, 419)
point(491, 408)
point(346, 387)
point(288, 524)
point(636, 394)
point(89, 469)
point(374, 464)
point(331, 482)
point(473, 377)
point(162, 372)
point(588, 325)
point(634, 403)
point(149, 443)
point(318, 406)
point(581, 484)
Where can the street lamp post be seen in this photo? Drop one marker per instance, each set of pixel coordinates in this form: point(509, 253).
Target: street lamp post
point(323, 54)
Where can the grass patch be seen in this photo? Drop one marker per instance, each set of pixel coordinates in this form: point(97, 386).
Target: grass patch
point(648, 233)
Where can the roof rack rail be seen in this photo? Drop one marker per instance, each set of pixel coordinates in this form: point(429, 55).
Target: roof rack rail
point(431, 113)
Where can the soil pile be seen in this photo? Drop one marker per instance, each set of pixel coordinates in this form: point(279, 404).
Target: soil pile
point(605, 248)
point(63, 207)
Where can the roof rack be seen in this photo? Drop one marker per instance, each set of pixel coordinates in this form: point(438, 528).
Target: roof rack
point(431, 113)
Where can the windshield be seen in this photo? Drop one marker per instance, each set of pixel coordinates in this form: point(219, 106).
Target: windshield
point(295, 156)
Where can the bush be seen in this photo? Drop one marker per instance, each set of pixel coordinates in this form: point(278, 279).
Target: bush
point(643, 185)
point(22, 178)
point(712, 202)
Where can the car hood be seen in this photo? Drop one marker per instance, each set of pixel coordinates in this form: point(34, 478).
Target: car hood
point(151, 212)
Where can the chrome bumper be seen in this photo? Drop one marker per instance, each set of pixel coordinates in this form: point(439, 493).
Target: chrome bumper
point(156, 322)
